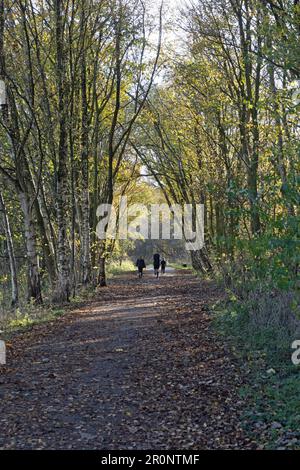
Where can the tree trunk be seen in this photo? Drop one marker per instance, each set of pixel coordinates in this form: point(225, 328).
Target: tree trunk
point(48, 251)
point(11, 255)
point(62, 293)
point(279, 152)
point(252, 194)
point(111, 146)
point(102, 273)
point(34, 282)
point(46, 242)
point(205, 260)
point(86, 249)
point(196, 261)
point(249, 129)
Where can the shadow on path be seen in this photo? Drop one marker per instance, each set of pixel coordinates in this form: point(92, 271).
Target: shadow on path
point(137, 368)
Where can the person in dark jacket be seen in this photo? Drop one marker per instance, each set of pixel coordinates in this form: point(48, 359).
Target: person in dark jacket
point(163, 266)
point(140, 263)
point(156, 264)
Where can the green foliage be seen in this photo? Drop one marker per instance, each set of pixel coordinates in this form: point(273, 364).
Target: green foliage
point(115, 268)
point(21, 320)
point(28, 316)
point(260, 320)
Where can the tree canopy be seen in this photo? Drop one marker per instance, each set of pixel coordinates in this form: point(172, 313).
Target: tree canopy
point(95, 96)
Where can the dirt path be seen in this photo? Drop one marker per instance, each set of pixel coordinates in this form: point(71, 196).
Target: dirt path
point(138, 368)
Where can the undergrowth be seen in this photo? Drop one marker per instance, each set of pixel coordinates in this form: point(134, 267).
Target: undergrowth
point(261, 322)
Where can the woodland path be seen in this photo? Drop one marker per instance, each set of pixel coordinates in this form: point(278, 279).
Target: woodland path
point(139, 367)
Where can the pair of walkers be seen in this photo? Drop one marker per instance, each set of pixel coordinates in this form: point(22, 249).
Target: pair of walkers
point(157, 263)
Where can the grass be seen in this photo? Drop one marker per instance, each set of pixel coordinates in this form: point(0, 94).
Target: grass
point(29, 314)
point(180, 266)
point(272, 392)
point(114, 268)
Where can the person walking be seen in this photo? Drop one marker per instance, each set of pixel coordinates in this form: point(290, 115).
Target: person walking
point(156, 264)
point(141, 265)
